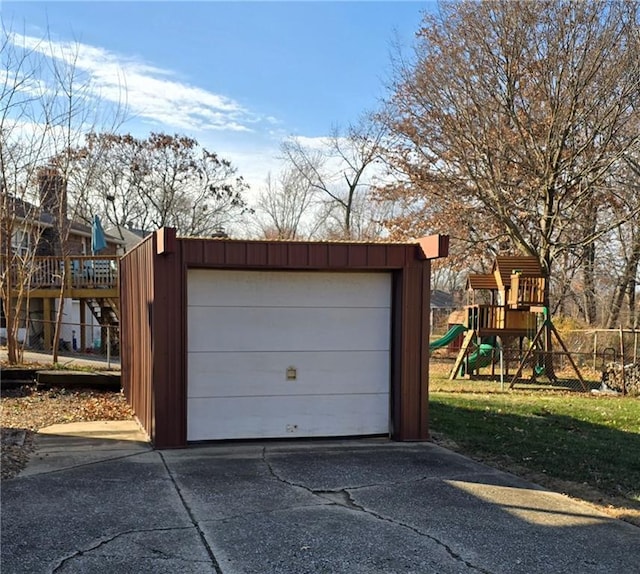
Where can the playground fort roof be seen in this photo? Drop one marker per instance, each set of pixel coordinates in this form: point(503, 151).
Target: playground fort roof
point(481, 282)
point(506, 265)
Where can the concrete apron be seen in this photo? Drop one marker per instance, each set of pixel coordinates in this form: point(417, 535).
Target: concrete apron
point(88, 503)
point(66, 446)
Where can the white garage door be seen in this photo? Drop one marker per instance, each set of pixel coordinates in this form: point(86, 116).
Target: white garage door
point(284, 354)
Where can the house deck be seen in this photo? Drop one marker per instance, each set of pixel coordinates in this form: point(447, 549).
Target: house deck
point(94, 280)
point(80, 277)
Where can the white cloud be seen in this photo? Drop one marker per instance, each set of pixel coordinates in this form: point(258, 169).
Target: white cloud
point(155, 96)
point(150, 93)
point(254, 166)
point(314, 143)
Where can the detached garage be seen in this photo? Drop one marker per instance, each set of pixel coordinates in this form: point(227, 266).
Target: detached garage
point(227, 339)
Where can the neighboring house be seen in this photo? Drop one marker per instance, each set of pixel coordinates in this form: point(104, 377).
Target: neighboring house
point(37, 229)
point(38, 235)
point(441, 306)
point(129, 236)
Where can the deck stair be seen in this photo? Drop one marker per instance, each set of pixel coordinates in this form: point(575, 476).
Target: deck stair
point(106, 312)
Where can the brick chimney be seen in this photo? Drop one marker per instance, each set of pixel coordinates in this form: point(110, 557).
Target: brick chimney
point(53, 192)
point(53, 202)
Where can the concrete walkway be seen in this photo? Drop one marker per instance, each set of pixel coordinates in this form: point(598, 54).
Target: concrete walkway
point(68, 360)
point(95, 498)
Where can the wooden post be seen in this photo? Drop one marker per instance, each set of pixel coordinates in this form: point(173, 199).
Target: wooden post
point(464, 349)
point(532, 344)
point(46, 323)
point(83, 326)
point(564, 348)
point(595, 348)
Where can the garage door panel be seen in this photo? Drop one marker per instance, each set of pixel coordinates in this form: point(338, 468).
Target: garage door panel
point(264, 374)
point(287, 329)
point(246, 328)
point(279, 289)
point(279, 417)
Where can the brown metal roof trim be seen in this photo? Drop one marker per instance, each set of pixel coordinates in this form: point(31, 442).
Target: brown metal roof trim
point(433, 243)
point(305, 241)
point(154, 343)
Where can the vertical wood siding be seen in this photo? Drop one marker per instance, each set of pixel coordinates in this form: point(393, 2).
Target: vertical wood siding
point(154, 315)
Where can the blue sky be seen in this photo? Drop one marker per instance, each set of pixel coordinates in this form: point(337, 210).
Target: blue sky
point(237, 76)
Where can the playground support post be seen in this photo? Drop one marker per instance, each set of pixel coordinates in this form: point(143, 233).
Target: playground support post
point(547, 325)
point(564, 348)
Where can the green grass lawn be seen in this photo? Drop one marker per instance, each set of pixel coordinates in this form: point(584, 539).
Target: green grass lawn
point(570, 436)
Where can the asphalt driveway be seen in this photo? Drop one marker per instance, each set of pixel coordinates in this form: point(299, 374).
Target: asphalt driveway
point(100, 502)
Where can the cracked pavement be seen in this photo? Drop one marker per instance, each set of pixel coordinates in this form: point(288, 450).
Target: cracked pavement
point(361, 506)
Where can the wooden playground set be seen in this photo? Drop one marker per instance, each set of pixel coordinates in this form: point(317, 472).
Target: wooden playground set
point(503, 308)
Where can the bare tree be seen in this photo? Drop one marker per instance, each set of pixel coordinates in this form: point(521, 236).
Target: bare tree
point(25, 106)
point(287, 207)
point(78, 110)
point(162, 180)
point(626, 244)
point(511, 119)
point(340, 170)
point(47, 105)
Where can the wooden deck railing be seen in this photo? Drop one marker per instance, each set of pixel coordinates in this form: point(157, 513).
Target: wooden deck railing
point(79, 272)
point(485, 317)
point(492, 318)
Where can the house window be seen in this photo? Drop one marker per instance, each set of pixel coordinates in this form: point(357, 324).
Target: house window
point(20, 241)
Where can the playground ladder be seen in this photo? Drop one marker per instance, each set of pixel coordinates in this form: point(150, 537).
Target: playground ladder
point(464, 349)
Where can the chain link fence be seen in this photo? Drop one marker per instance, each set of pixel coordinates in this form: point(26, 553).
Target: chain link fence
point(594, 360)
point(580, 360)
point(78, 342)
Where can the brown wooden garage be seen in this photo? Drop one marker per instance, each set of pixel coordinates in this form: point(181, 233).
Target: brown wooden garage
point(228, 339)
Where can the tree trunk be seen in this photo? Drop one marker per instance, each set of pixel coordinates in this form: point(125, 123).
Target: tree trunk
point(10, 318)
point(588, 271)
point(631, 295)
point(616, 306)
point(626, 285)
point(7, 294)
point(59, 314)
point(548, 343)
